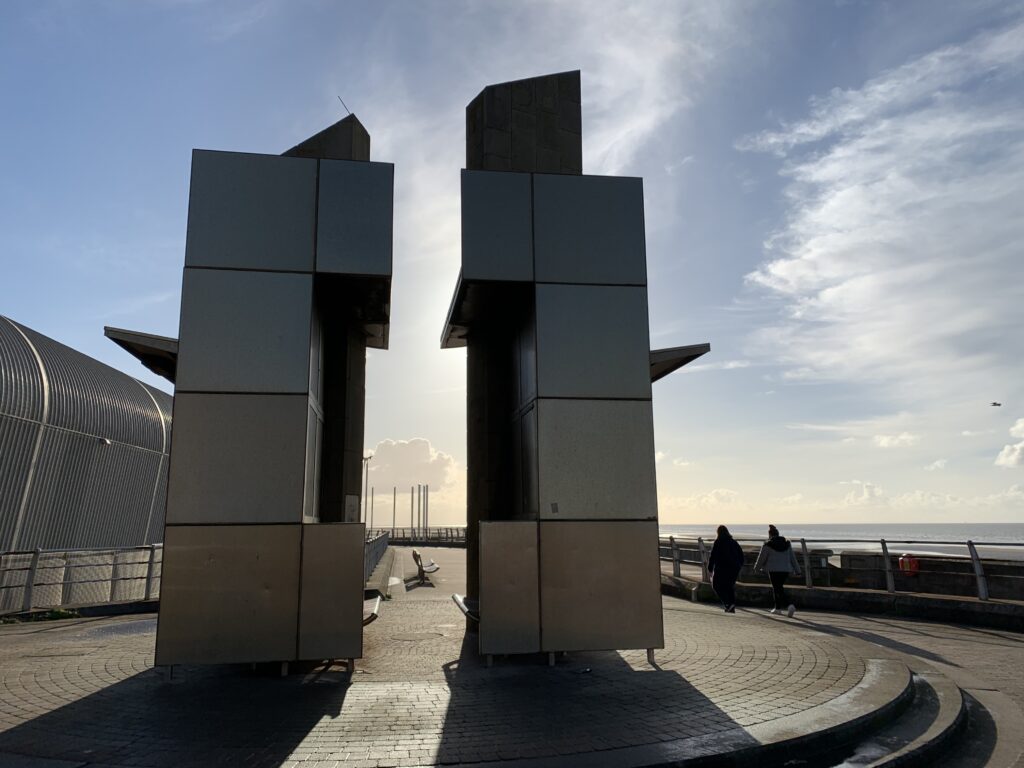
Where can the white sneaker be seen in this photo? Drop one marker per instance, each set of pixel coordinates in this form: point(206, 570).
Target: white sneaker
point(791, 610)
point(774, 610)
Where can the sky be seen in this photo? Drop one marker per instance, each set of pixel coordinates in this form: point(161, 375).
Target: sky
point(834, 199)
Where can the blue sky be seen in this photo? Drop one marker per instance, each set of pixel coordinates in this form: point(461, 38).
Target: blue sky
point(833, 200)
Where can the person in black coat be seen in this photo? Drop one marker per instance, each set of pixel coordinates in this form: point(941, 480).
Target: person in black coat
point(725, 563)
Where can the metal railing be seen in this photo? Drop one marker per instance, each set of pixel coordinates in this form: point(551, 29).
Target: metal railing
point(59, 578)
point(824, 564)
point(376, 546)
point(445, 536)
point(66, 578)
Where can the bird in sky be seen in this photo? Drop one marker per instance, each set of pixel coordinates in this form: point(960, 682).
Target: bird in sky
point(995, 404)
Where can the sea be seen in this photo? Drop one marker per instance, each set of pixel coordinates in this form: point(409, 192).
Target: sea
point(993, 540)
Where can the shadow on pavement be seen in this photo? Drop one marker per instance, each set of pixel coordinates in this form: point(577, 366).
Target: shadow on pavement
point(213, 715)
point(871, 637)
point(588, 702)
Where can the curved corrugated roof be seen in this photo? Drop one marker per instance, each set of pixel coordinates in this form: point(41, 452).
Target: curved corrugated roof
point(83, 448)
point(85, 395)
point(21, 383)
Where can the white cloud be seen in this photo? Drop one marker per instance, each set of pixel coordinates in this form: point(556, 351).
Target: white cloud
point(896, 441)
point(680, 463)
point(936, 465)
point(673, 168)
point(405, 463)
point(1013, 455)
point(976, 432)
point(724, 365)
point(903, 226)
point(659, 456)
point(867, 494)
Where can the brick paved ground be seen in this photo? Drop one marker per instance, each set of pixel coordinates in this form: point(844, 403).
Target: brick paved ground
point(84, 691)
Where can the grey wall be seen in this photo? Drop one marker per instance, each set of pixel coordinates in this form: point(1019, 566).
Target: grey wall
point(83, 448)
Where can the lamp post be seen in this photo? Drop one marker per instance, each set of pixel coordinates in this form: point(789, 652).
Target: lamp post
point(366, 481)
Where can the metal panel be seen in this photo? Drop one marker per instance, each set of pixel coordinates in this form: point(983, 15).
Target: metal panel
point(509, 595)
point(88, 493)
point(596, 460)
point(229, 593)
point(244, 332)
point(238, 459)
point(600, 586)
point(17, 442)
point(497, 228)
point(251, 211)
point(526, 359)
point(589, 229)
point(314, 453)
point(331, 611)
point(354, 226)
point(592, 341)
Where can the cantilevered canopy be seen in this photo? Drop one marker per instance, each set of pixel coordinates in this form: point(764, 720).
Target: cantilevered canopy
point(158, 353)
point(666, 361)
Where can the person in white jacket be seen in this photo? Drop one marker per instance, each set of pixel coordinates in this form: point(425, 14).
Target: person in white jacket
point(778, 559)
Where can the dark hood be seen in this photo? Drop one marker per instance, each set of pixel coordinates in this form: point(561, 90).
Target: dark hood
point(778, 543)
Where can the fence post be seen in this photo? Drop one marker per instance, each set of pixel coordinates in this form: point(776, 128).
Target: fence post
point(113, 576)
point(30, 580)
point(807, 564)
point(979, 572)
point(149, 571)
point(890, 584)
point(703, 560)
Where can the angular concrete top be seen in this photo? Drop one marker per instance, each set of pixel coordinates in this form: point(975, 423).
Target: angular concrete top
point(347, 139)
point(532, 126)
point(158, 353)
point(666, 361)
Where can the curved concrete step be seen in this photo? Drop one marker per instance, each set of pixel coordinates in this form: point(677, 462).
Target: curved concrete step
point(802, 739)
point(950, 719)
point(917, 736)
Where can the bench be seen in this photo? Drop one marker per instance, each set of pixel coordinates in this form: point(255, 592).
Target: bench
point(422, 569)
point(371, 610)
point(469, 607)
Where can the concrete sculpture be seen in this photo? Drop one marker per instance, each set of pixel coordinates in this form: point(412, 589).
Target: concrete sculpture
point(287, 281)
point(551, 304)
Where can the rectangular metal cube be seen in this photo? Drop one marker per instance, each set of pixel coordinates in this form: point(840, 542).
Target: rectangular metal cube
point(237, 459)
point(229, 594)
point(497, 226)
point(600, 586)
point(331, 607)
point(595, 460)
point(251, 211)
point(592, 341)
point(509, 595)
point(589, 229)
point(244, 332)
point(354, 229)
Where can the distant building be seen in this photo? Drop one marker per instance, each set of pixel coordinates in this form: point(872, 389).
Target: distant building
point(83, 448)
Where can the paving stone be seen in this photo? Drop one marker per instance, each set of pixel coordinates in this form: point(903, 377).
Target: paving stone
point(85, 690)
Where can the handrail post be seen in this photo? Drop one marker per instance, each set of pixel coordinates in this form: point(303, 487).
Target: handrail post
point(979, 572)
point(149, 571)
point(30, 580)
point(703, 560)
point(807, 564)
point(890, 583)
point(675, 555)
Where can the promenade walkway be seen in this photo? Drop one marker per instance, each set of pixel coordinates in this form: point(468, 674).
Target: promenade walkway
point(83, 692)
